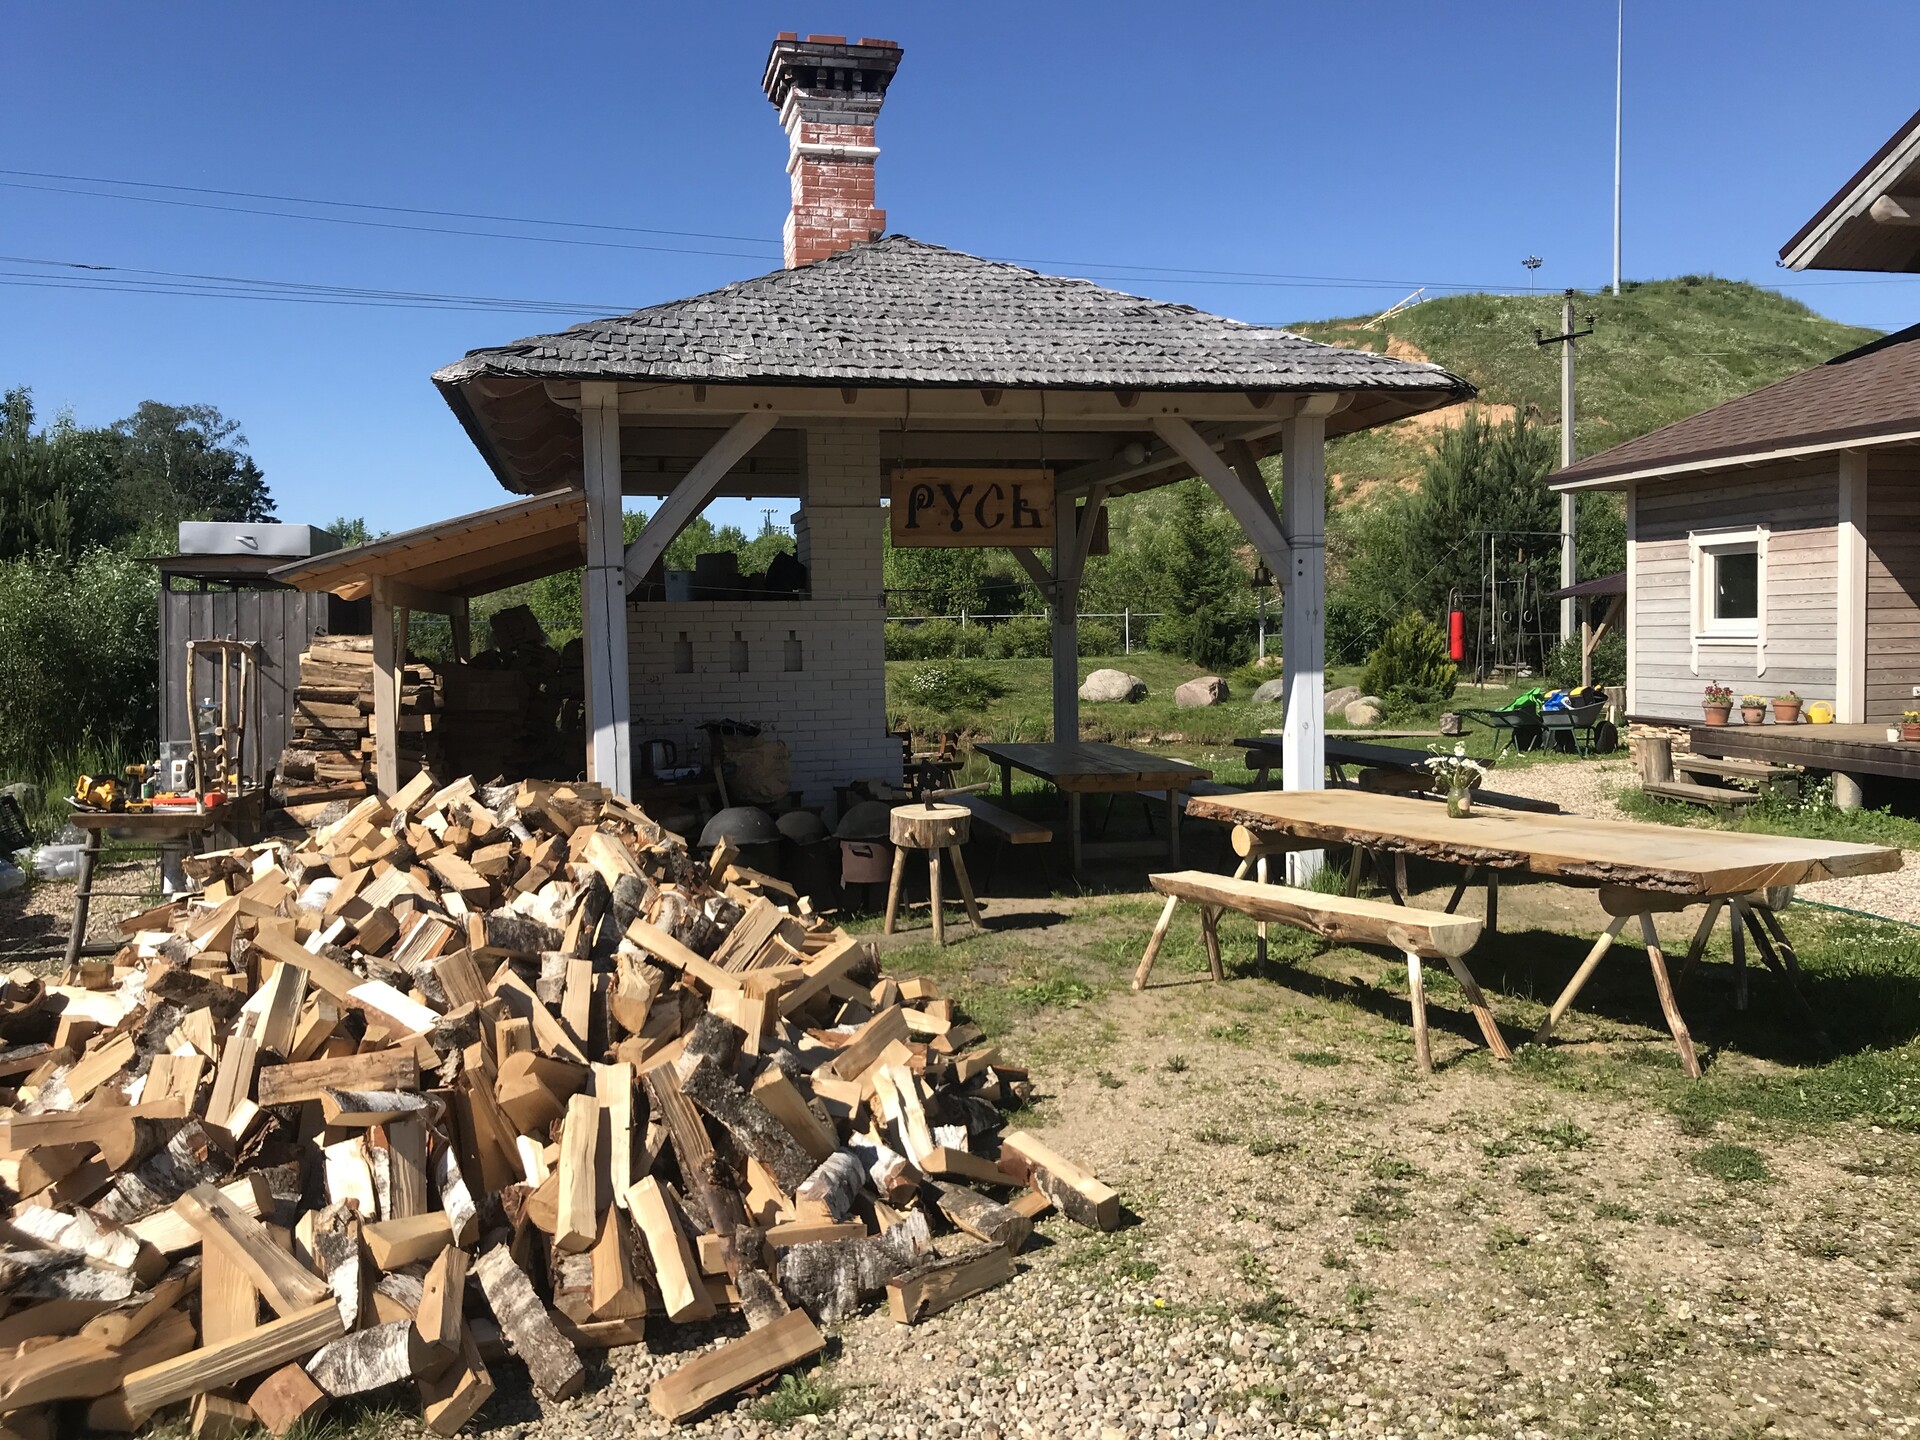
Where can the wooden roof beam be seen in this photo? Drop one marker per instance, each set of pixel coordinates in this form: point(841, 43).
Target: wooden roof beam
point(1245, 496)
point(692, 493)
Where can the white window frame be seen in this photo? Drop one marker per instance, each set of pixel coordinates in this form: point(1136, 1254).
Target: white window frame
point(1704, 547)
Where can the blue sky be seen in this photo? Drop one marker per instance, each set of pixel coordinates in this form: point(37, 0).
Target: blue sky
point(1394, 144)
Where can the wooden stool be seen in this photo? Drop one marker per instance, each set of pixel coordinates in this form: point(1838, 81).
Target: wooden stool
point(934, 828)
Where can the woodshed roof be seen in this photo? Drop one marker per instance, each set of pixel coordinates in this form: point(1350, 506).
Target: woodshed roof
point(1870, 395)
point(1873, 221)
point(468, 555)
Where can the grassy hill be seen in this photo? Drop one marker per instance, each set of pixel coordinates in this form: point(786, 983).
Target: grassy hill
point(1661, 350)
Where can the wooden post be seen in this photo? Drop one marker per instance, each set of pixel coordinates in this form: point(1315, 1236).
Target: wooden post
point(386, 693)
point(1653, 758)
point(1066, 624)
point(462, 622)
point(1303, 622)
point(609, 756)
point(1587, 641)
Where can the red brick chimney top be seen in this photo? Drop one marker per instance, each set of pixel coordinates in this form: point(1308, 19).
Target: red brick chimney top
point(829, 94)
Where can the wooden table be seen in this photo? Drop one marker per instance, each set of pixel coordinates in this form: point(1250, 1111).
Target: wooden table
point(1082, 768)
point(154, 830)
point(1641, 870)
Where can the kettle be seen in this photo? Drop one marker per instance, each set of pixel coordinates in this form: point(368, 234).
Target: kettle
point(658, 755)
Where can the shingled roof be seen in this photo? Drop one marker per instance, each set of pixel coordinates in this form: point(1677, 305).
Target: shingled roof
point(1867, 395)
point(902, 312)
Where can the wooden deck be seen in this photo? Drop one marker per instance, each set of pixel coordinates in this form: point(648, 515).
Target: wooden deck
point(1849, 749)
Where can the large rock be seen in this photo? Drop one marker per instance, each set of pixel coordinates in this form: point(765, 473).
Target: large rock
point(1366, 710)
point(1271, 692)
point(1338, 700)
point(1195, 694)
point(1113, 686)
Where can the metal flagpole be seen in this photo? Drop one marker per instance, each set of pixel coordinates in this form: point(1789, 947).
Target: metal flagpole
point(1619, 56)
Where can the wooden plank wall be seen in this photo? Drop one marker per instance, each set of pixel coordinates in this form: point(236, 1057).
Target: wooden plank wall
point(1893, 582)
point(284, 623)
point(1799, 501)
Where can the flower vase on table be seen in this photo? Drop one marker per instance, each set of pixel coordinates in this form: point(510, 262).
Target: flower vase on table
point(1453, 771)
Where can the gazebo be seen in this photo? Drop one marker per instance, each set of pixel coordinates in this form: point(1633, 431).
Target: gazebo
point(991, 404)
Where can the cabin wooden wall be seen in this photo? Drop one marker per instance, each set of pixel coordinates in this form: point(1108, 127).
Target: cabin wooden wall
point(1799, 502)
point(281, 620)
point(1893, 582)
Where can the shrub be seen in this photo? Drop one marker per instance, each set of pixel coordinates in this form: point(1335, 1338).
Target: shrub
point(1410, 668)
point(1099, 637)
point(951, 685)
point(77, 657)
point(1025, 637)
point(1609, 662)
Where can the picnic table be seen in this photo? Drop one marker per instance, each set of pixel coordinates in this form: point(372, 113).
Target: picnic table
point(1081, 768)
point(1641, 870)
point(1264, 755)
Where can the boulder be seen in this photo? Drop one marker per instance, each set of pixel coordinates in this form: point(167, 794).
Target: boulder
point(1207, 690)
point(1338, 700)
point(25, 793)
point(1366, 710)
point(1113, 686)
point(1271, 692)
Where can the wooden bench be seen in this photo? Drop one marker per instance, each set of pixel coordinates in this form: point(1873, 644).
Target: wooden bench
point(1720, 798)
point(1417, 934)
point(1002, 825)
point(1776, 778)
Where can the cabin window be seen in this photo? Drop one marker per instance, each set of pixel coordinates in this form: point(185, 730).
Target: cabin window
point(1729, 585)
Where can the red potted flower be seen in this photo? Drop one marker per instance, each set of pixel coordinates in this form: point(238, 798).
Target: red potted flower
point(1786, 709)
point(1717, 703)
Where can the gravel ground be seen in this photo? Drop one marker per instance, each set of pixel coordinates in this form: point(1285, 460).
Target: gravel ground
point(1589, 788)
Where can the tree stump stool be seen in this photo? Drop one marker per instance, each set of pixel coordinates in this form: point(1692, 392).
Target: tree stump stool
point(934, 828)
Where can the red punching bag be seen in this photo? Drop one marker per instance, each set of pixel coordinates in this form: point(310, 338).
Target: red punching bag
point(1456, 636)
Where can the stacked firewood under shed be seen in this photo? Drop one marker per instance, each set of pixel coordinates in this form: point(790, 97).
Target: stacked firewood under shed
point(482, 1072)
point(330, 755)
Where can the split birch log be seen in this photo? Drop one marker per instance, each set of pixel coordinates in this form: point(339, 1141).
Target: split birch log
point(372, 1359)
point(552, 1362)
point(694, 1386)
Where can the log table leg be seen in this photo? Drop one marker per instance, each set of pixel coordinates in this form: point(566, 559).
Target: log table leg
point(1493, 902)
point(1482, 1012)
point(1173, 828)
point(1210, 934)
point(1775, 962)
point(1417, 993)
point(1156, 940)
point(1356, 863)
point(933, 894)
point(1077, 841)
point(1580, 978)
point(1700, 938)
point(1260, 930)
point(1738, 935)
point(966, 886)
point(1663, 986)
point(893, 890)
point(1006, 781)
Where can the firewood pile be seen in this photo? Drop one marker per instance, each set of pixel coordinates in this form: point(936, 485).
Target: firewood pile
point(514, 709)
point(481, 1072)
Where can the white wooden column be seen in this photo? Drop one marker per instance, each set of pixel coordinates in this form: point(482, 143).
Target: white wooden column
point(1850, 631)
point(386, 693)
point(1303, 653)
point(1066, 622)
point(609, 756)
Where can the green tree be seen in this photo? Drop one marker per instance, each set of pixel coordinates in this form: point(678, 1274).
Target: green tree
point(1410, 668)
point(57, 493)
point(352, 530)
point(1204, 597)
point(190, 460)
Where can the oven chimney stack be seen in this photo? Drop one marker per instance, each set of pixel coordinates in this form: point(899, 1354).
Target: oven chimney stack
point(829, 93)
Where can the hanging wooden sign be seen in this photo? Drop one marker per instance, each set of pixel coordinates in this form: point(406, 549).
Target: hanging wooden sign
point(949, 508)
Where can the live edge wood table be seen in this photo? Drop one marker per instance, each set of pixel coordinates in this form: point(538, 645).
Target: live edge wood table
point(1084, 768)
point(1641, 870)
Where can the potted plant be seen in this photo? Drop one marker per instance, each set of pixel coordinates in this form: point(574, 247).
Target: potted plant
point(1786, 709)
point(1717, 703)
point(1910, 724)
point(1753, 709)
point(1453, 771)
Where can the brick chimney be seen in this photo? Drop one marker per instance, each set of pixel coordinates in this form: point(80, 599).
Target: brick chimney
point(829, 93)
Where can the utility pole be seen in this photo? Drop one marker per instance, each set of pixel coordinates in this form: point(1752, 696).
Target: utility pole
point(1619, 54)
point(1569, 521)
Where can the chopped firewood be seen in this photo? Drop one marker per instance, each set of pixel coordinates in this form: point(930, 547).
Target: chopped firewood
point(674, 1270)
point(694, 1386)
point(310, 1079)
point(281, 1280)
point(552, 1362)
point(1081, 1198)
point(285, 1399)
point(775, 1091)
point(75, 1367)
point(831, 1278)
point(576, 1227)
point(932, 1287)
point(217, 1418)
point(214, 1366)
point(372, 1358)
point(981, 1217)
point(407, 1241)
point(752, 1126)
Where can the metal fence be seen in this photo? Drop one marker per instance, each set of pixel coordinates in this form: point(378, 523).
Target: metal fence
point(967, 617)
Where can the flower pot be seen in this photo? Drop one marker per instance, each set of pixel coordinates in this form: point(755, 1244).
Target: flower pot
point(1716, 714)
point(1460, 801)
point(1909, 732)
point(1786, 712)
point(1754, 714)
